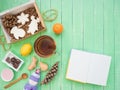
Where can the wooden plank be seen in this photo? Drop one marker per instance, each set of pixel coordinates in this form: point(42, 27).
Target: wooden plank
point(26, 59)
point(88, 21)
point(67, 41)
point(56, 83)
point(77, 11)
point(117, 43)
point(109, 41)
point(5, 5)
point(0, 5)
point(98, 31)
point(2, 53)
point(84, 22)
point(45, 5)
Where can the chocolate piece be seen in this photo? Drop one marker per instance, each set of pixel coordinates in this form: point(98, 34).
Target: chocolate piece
point(13, 61)
point(15, 65)
point(8, 59)
point(18, 61)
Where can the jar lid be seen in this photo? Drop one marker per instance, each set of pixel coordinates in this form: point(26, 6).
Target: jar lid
point(7, 74)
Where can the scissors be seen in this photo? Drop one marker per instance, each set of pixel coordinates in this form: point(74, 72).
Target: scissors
point(4, 44)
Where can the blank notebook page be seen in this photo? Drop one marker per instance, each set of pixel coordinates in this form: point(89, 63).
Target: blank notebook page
point(88, 67)
point(78, 68)
point(98, 69)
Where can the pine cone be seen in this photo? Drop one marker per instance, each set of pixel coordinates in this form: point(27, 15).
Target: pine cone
point(50, 75)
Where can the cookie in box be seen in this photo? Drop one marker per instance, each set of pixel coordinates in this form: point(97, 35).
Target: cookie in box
point(21, 22)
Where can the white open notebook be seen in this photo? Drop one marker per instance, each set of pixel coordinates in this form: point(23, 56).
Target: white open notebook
point(88, 67)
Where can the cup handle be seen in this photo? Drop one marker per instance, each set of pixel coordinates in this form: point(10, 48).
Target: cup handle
point(56, 53)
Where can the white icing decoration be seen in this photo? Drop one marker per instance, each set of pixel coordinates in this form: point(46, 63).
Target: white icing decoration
point(17, 32)
point(33, 26)
point(22, 18)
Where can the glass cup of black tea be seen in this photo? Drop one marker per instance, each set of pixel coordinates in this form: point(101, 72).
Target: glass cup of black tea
point(45, 46)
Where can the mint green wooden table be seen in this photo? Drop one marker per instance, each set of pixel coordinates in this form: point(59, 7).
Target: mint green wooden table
point(90, 25)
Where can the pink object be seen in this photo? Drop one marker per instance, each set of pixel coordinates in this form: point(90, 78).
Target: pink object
point(7, 74)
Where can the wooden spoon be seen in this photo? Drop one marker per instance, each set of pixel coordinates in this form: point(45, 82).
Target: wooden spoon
point(23, 76)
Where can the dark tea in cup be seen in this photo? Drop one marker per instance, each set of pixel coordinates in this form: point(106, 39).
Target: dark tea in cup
point(44, 46)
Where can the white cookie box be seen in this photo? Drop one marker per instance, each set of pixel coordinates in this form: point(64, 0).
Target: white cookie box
point(10, 54)
point(17, 10)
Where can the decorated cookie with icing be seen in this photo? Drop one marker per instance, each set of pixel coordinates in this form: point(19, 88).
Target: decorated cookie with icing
point(33, 26)
point(17, 32)
point(23, 18)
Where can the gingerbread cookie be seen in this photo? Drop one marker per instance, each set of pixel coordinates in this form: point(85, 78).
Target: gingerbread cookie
point(17, 32)
point(33, 26)
point(23, 18)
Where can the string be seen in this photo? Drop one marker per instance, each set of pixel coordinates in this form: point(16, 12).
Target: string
point(50, 15)
point(4, 44)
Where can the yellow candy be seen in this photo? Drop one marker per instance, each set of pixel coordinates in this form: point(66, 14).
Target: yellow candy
point(26, 49)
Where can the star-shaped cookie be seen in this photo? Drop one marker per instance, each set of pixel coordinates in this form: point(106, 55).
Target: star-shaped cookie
point(23, 18)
